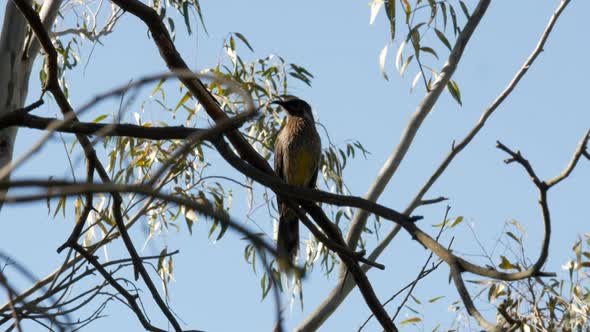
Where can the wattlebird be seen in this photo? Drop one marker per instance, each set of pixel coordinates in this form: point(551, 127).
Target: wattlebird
point(298, 150)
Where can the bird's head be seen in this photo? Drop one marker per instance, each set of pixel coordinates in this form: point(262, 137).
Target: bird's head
point(295, 107)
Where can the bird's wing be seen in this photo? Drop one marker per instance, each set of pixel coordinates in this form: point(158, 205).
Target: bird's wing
point(313, 183)
point(279, 168)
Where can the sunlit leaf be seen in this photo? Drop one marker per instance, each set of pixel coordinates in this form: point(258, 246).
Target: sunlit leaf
point(457, 221)
point(405, 65)
point(453, 88)
point(375, 7)
point(183, 100)
point(399, 55)
point(100, 118)
point(506, 264)
point(382, 58)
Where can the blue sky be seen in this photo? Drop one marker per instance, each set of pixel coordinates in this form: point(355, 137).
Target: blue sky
point(545, 117)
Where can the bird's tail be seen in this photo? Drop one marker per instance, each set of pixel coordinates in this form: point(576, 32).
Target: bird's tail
point(287, 238)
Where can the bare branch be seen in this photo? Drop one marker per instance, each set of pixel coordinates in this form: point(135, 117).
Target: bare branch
point(11, 294)
point(131, 299)
point(396, 157)
point(570, 167)
point(517, 157)
point(344, 287)
point(421, 275)
point(53, 86)
point(322, 220)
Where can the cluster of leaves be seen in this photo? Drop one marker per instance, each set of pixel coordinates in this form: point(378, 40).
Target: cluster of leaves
point(132, 160)
point(556, 304)
point(421, 18)
point(559, 303)
point(267, 79)
point(185, 9)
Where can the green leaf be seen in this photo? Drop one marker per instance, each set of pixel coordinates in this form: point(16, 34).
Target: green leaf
point(186, 16)
point(224, 227)
point(443, 38)
point(440, 224)
point(183, 100)
point(454, 19)
point(435, 299)
point(455, 92)
point(457, 221)
point(301, 78)
point(158, 88)
point(100, 118)
point(244, 40)
point(511, 235)
point(404, 67)
point(433, 7)
point(407, 9)
point(429, 50)
point(232, 43)
point(464, 9)
point(198, 7)
point(390, 11)
point(212, 229)
point(506, 265)
point(443, 8)
point(161, 258)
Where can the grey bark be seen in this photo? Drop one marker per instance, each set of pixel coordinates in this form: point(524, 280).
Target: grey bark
point(15, 68)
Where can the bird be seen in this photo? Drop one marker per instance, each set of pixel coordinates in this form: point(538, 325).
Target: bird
point(297, 155)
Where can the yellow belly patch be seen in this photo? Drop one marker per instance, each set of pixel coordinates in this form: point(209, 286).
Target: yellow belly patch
point(301, 168)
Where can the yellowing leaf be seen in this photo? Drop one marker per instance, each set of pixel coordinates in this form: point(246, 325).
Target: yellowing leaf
point(506, 265)
point(183, 100)
point(411, 320)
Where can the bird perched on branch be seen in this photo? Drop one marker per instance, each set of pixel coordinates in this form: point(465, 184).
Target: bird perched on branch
point(298, 151)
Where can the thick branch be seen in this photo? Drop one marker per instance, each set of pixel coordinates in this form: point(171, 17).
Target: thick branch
point(396, 157)
point(115, 130)
point(339, 293)
point(53, 86)
point(175, 62)
point(325, 224)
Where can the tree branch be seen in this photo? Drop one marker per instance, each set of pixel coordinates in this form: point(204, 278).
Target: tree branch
point(52, 85)
point(175, 62)
point(572, 164)
point(339, 293)
point(396, 157)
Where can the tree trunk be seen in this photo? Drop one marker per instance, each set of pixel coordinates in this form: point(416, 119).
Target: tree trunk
point(15, 68)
